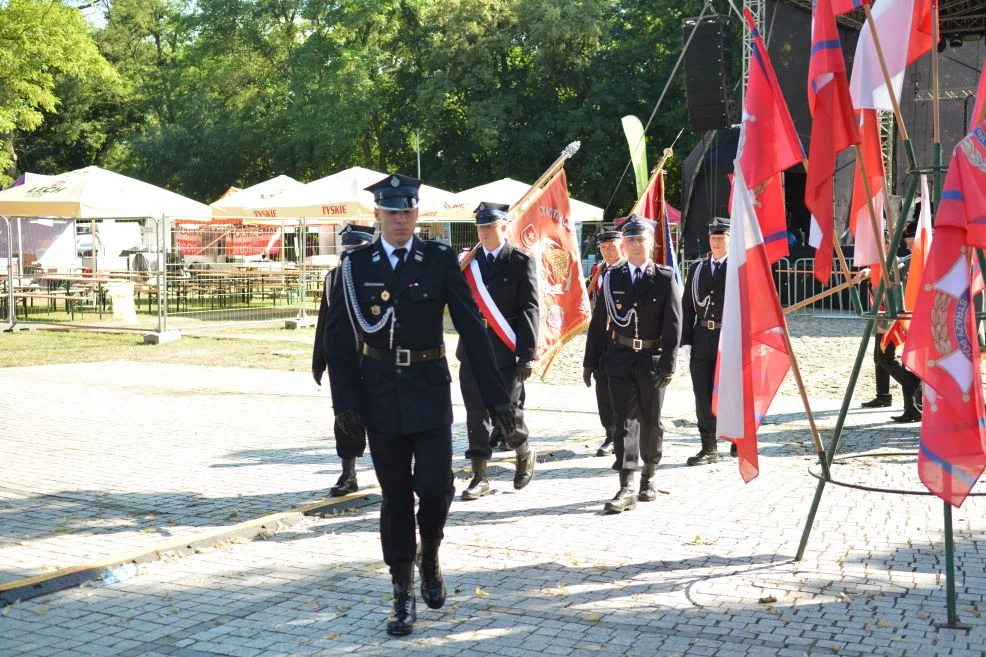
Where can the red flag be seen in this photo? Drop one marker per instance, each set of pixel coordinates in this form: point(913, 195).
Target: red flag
point(546, 231)
point(833, 129)
point(921, 33)
point(753, 357)
point(840, 7)
point(869, 245)
point(771, 145)
point(942, 346)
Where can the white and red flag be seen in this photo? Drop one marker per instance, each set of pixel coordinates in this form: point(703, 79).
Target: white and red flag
point(904, 31)
point(833, 129)
point(869, 251)
point(918, 262)
point(771, 145)
point(753, 357)
point(942, 346)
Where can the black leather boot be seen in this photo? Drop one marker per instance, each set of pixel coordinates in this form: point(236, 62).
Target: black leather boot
point(347, 480)
point(607, 447)
point(626, 498)
point(524, 465)
point(647, 492)
point(708, 454)
point(432, 582)
point(480, 485)
point(880, 401)
point(401, 619)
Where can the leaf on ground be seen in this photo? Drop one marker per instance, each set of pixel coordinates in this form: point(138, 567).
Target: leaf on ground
point(313, 605)
point(480, 593)
point(592, 617)
point(330, 636)
point(41, 611)
point(882, 623)
point(767, 599)
point(232, 514)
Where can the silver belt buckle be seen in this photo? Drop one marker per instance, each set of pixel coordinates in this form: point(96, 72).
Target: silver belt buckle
point(638, 344)
point(710, 325)
point(403, 357)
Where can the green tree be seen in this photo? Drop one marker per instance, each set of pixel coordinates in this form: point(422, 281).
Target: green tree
point(40, 42)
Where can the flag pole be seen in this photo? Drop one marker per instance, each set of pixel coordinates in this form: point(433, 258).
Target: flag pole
point(835, 237)
point(874, 225)
point(535, 190)
point(816, 439)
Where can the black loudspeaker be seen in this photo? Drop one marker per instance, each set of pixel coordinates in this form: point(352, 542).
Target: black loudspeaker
point(707, 64)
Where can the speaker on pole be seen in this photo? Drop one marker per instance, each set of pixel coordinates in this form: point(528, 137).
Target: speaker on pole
point(708, 90)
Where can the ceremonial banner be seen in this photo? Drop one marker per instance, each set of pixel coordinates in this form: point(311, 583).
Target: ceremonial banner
point(771, 145)
point(546, 232)
point(753, 358)
point(833, 129)
point(942, 346)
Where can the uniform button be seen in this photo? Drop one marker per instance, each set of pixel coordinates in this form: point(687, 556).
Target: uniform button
point(634, 304)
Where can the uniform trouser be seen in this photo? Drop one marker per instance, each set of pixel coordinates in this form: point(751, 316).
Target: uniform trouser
point(703, 371)
point(478, 425)
point(908, 381)
point(407, 464)
point(637, 414)
point(882, 376)
point(603, 402)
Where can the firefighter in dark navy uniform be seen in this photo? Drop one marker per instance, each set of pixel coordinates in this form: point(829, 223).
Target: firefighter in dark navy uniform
point(610, 243)
point(348, 448)
point(638, 322)
point(705, 290)
point(509, 275)
point(392, 294)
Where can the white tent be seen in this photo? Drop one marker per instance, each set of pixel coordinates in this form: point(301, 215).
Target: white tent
point(509, 191)
point(94, 193)
point(240, 202)
point(341, 196)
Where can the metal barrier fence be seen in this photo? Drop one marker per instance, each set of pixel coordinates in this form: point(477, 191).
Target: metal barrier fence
point(115, 274)
point(796, 282)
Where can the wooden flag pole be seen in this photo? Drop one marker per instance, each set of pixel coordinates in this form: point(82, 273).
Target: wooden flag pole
point(846, 274)
point(816, 439)
point(874, 226)
point(520, 207)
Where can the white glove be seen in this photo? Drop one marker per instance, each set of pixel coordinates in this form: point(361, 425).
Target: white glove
point(686, 349)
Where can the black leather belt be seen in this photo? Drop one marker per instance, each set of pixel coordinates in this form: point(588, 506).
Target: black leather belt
point(404, 357)
point(635, 344)
point(709, 324)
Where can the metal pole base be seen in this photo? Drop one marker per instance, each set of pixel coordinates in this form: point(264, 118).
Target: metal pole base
point(952, 625)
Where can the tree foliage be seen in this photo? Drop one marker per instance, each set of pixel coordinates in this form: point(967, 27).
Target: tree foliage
point(198, 96)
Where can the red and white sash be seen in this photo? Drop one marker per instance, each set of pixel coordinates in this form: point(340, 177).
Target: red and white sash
point(493, 316)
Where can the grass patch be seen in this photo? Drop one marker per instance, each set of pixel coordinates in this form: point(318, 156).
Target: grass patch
point(27, 348)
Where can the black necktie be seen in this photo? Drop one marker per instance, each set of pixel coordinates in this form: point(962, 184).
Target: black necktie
point(715, 268)
point(638, 275)
point(400, 253)
point(490, 259)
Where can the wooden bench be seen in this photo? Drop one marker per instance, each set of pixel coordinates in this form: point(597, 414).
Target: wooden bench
point(72, 301)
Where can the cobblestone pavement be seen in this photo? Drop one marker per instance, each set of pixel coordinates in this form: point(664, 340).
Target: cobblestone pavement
point(107, 458)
